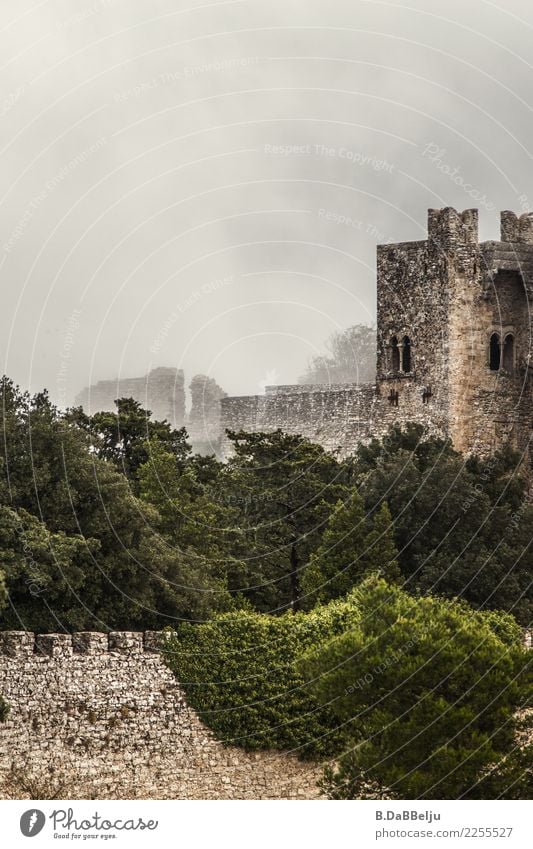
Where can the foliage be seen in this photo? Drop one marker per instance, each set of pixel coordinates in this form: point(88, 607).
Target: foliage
point(428, 691)
point(351, 358)
point(124, 437)
point(285, 487)
point(108, 521)
point(463, 527)
point(352, 547)
point(79, 549)
point(241, 673)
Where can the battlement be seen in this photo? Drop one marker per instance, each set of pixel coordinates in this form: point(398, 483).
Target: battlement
point(25, 643)
point(514, 228)
point(447, 227)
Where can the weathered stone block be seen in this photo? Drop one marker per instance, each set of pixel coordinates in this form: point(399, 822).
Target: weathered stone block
point(53, 645)
point(89, 642)
point(17, 643)
point(128, 642)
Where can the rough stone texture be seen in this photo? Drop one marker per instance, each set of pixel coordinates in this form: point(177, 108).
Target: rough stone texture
point(203, 424)
point(445, 296)
point(101, 716)
point(162, 391)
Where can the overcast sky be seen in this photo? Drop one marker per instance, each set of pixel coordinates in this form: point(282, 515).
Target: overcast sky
point(203, 184)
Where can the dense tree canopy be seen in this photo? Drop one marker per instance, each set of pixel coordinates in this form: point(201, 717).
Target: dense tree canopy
point(463, 527)
point(285, 487)
point(79, 549)
point(121, 526)
point(124, 437)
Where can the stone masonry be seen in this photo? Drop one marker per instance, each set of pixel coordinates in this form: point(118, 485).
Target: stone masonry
point(203, 421)
point(454, 347)
point(162, 391)
point(96, 715)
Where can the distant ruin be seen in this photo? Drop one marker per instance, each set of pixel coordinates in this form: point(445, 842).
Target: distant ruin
point(162, 391)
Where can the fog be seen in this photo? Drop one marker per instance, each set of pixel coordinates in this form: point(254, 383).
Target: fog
point(203, 184)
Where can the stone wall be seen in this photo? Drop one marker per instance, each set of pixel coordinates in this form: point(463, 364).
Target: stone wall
point(338, 418)
point(162, 391)
point(441, 299)
point(101, 716)
point(203, 421)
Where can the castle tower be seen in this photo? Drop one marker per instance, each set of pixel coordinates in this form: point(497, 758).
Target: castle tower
point(454, 330)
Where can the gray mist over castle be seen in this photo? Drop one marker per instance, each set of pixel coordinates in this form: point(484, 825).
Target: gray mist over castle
point(204, 190)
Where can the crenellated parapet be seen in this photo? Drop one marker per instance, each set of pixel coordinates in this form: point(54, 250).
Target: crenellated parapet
point(24, 643)
point(20, 644)
point(448, 228)
point(516, 228)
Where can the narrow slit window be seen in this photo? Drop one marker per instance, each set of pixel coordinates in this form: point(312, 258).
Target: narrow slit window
point(494, 354)
point(406, 354)
point(395, 354)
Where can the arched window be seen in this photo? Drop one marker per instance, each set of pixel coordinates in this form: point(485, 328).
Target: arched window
point(494, 353)
point(406, 354)
point(508, 353)
point(395, 354)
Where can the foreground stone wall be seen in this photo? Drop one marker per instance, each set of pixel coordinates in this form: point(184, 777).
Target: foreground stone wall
point(101, 716)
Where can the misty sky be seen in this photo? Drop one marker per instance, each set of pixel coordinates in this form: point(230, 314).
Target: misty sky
point(203, 184)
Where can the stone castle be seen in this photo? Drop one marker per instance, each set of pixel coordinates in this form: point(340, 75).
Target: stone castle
point(453, 349)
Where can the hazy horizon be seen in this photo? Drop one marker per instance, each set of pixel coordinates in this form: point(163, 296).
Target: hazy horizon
point(176, 184)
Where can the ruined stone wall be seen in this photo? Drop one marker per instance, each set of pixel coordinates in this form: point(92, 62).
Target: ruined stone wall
point(101, 716)
point(162, 391)
point(203, 422)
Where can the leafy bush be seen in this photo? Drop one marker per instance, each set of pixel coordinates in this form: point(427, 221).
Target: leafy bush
point(241, 673)
point(429, 692)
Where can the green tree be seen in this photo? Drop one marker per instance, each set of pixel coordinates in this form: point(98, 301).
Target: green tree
point(462, 527)
point(429, 691)
point(190, 518)
point(124, 437)
point(352, 547)
point(284, 487)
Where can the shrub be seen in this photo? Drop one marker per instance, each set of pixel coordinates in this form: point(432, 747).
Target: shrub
point(242, 674)
point(429, 692)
